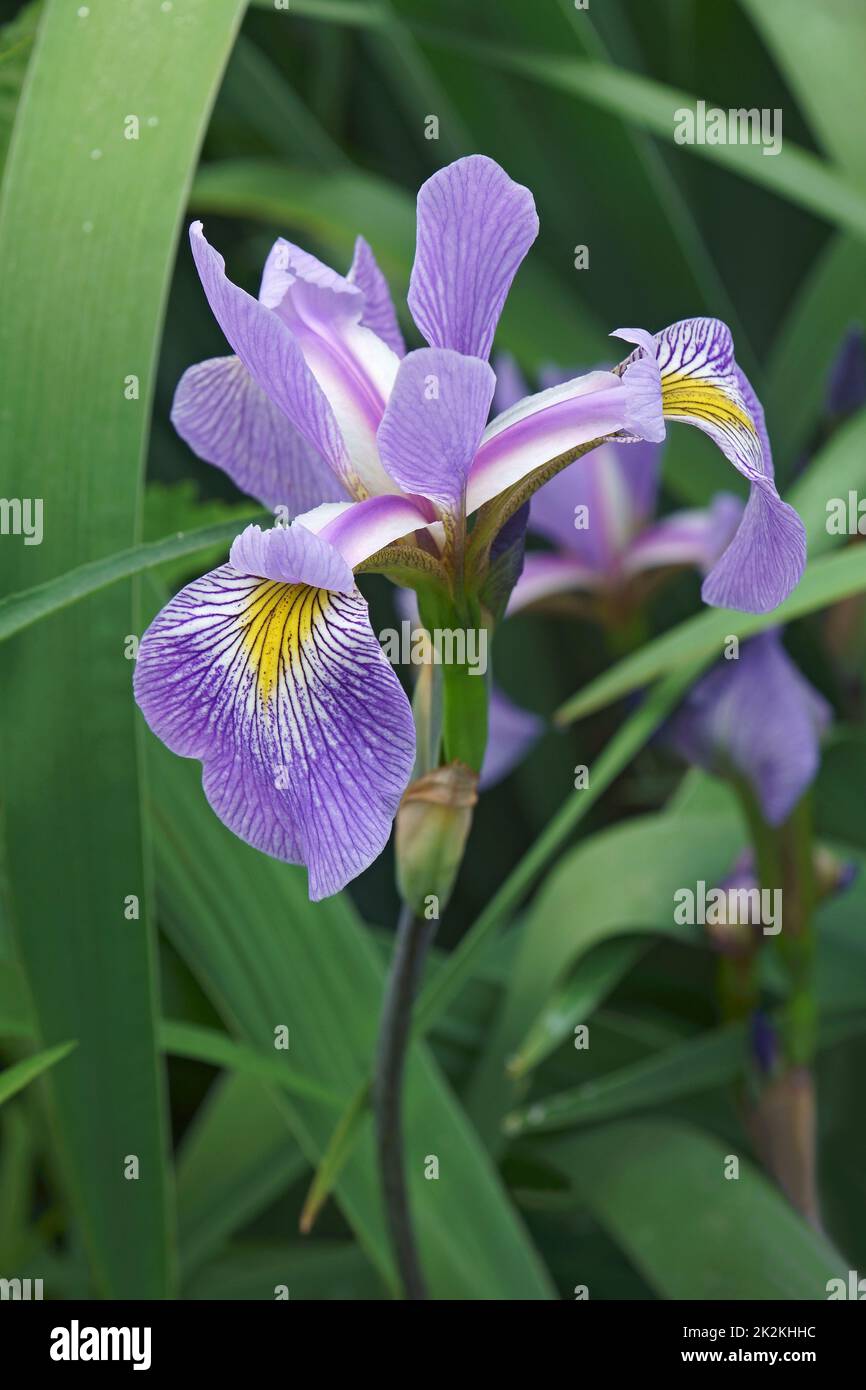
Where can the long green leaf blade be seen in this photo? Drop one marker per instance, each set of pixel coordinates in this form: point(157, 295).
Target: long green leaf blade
point(88, 229)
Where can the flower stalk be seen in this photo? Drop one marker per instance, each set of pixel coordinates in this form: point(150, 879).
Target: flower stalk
point(414, 935)
point(781, 1117)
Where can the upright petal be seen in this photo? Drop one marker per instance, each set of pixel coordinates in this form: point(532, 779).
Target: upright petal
point(227, 419)
point(759, 718)
point(702, 385)
point(379, 312)
point(272, 356)
point(283, 693)
point(353, 366)
point(475, 225)
point(433, 422)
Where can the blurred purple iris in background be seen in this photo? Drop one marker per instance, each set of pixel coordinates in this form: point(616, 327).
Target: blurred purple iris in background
point(755, 718)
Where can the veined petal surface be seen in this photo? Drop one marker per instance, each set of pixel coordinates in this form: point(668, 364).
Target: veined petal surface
point(475, 225)
point(702, 385)
point(227, 419)
point(283, 692)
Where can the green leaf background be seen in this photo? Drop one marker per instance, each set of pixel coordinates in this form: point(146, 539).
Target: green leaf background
point(150, 1036)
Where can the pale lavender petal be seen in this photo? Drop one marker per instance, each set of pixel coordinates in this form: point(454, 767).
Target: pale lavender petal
point(702, 385)
point(758, 718)
point(541, 428)
point(291, 555)
point(434, 421)
point(227, 420)
point(763, 562)
point(379, 312)
point(545, 575)
point(475, 225)
point(512, 731)
point(360, 529)
point(272, 356)
point(284, 694)
point(353, 366)
point(694, 537)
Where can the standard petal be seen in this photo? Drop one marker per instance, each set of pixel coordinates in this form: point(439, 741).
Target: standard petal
point(434, 421)
point(283, 693)
point(475, 225)
point(511, 733)
point(272, 356)
point(758, 718)
point(227, 419)
point(540, 428)
point(353, 366)
point(379, 312)
point(702, 385)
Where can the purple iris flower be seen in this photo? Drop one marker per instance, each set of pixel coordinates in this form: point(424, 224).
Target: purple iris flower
point(267, 669)
point(755, 718)
point(598, 516)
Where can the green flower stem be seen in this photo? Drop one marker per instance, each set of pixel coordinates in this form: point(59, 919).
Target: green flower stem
point(796, 944)
point(414, 936)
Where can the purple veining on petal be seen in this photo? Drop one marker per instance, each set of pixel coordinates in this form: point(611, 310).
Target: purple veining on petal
point(227, 419)
point(723, 724)
point(703, 386)
point(379, 312)
point(434, 421)
point(291, 555)
point(271, 355)
point(475, 225)
point(284, 694)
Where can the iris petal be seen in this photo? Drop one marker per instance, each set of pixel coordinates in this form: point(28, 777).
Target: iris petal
point(434, 421)
point(379, 312)
point(282, 691)
point(475, 225)
point(723, 724)
point(353, 366)
point(227, 419)
point(702, 385)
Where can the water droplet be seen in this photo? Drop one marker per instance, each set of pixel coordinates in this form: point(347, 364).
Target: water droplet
point(96, 154)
